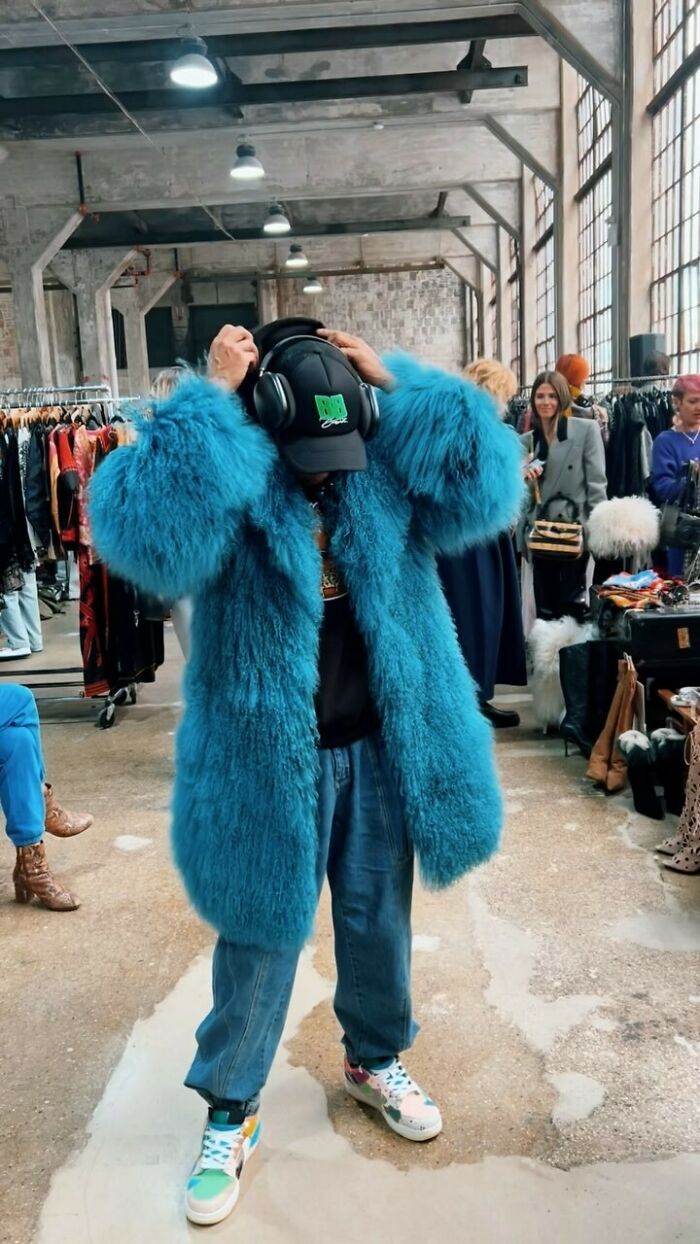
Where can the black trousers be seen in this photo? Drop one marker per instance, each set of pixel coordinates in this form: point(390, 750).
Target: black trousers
point(560, 587)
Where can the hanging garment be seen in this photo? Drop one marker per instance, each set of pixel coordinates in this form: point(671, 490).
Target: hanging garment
point(20, 619)
point(119, 644)
point(481, 588)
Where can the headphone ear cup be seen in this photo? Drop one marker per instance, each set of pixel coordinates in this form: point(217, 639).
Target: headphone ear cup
point(369, 412)
point(274, 402)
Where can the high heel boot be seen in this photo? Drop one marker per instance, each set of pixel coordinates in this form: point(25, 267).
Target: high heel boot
point(33, 879)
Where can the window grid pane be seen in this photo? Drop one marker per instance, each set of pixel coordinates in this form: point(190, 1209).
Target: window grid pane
point(545, 286)
point(594, 132)
point(675, 290)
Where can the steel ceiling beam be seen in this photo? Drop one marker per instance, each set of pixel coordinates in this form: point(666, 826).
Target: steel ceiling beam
point(206, 232)
point(275, 43)
point(234, 96)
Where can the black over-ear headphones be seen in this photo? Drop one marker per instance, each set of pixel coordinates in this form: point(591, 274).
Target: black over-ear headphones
point(273, 398)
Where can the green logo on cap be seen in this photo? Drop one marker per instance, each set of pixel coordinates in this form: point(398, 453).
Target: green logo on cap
point(331, 410)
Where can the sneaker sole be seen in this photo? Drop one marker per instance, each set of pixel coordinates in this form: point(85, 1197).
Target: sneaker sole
point(400, 1128)
point(218, 1215)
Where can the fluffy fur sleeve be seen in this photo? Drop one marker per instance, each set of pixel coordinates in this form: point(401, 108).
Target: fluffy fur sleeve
point(460, 464)
point(166, 510)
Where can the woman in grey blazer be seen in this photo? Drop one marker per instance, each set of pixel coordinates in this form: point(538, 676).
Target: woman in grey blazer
point(566, 459)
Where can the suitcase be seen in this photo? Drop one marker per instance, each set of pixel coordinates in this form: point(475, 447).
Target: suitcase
point(658, 638)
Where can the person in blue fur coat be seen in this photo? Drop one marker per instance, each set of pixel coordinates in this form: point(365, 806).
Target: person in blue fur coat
point(331, 726)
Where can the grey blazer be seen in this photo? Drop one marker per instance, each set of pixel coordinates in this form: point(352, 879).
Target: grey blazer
point(575, 469)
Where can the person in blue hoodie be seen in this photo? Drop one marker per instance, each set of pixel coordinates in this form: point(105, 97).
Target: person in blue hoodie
point(299, 496)
point(676, 453)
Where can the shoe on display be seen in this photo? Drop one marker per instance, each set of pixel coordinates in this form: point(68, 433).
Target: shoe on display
point(500, 718)
point(402, 1103)
point(13, 654)
point(215, 1183)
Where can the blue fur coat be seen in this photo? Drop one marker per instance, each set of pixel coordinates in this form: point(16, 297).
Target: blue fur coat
point(203, 506)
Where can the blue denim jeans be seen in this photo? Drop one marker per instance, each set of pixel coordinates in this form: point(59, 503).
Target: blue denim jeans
point(365, 849)
point(21, 766)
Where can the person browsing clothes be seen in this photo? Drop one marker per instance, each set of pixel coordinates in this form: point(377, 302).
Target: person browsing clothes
point(565, 471)
point(675, 455)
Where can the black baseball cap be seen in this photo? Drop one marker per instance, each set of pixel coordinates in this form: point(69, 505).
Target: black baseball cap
point(327, 396)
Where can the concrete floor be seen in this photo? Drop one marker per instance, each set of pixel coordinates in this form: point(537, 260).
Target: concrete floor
point(558, 989)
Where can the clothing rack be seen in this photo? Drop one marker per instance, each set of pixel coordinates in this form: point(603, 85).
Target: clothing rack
point(64, 395)
point(636, 382)
point(55, 395)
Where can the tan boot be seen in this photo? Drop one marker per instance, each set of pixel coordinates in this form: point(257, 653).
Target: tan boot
point(33, 879)
point(60, 822)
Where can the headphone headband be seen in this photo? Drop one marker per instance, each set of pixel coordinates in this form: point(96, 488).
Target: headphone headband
point(280, 344)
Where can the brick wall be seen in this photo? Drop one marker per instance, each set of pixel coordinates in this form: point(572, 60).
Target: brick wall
point(421, 312)
point(9, 362)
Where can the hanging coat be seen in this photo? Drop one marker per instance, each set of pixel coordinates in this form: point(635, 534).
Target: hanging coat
point(203, 506)
point(483, 593)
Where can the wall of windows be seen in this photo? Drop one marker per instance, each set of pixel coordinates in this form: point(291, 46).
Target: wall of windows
point(594, 198)
point(514, 301)
point(675, 289)
point(545, 284)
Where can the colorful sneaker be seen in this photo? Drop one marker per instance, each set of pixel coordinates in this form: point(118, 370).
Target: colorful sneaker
point(214, 1185)
point(403, 1104)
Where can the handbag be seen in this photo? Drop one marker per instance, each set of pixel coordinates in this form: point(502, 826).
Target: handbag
point(557, 539)
point(680, 520)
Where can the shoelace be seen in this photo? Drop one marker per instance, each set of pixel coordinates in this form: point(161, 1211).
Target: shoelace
point(217, 1146)
point(397, 1080)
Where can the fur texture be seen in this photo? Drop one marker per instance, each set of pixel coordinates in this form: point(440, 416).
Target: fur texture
point(201, 504)
point(623, 527)
point(544, 645)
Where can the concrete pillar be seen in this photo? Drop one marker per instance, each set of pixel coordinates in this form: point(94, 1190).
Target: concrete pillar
point(181, 327)
point(32, 238)
point(528, 280)
point(90, 275)
point(639, 90)
point(566, 217)
point(268, 301)
point(134, 303)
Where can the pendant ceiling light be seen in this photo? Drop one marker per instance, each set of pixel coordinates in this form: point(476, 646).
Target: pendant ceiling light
point(313, 286)
point(296, 258)
point(247, 166)
point(277, 221)
point(194, 69)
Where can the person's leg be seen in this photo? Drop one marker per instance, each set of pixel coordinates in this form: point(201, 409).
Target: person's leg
point(370, 869)
point(29, 609)
point(371, 875)
point(21, 766)
point(22, 800)
point(546, 581)
point(13, 625)
point(237, 1042)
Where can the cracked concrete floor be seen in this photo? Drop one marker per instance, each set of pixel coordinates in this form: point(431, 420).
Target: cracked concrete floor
point(558, 989)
